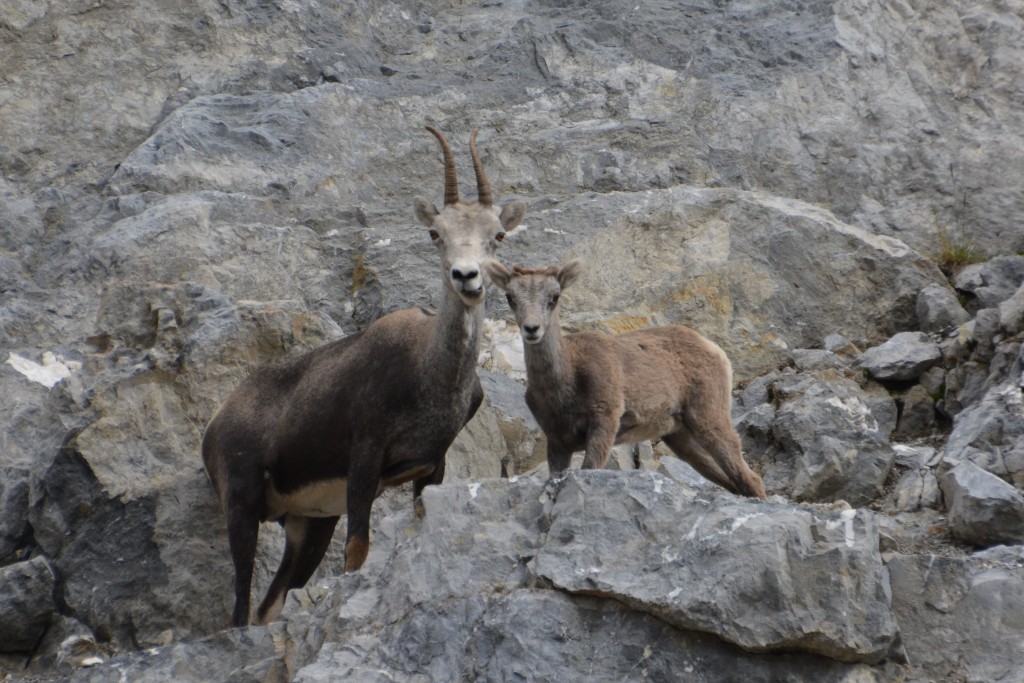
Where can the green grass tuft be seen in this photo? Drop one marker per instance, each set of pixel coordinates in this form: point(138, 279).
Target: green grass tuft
point(955, 253)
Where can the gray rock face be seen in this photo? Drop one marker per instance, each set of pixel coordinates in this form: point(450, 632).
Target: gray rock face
point(905, 356)
point(737, 266)
point(983, 509)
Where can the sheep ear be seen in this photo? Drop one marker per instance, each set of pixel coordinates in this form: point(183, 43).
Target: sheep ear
point(512, 214)
point(426, 212)
point(568, 273)
point(498, 273)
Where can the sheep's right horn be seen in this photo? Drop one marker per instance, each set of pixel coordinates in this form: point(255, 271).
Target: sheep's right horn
point(451, 183)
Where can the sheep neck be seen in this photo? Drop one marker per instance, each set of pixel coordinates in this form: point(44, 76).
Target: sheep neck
point(454, 342)
point(547, 363)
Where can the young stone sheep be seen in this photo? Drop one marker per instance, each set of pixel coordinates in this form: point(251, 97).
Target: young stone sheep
point(320, 436)
point(591, 390)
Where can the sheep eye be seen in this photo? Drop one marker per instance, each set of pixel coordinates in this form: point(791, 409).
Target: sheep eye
point(500, 236)
point(554, 301)
point(511, 300)
point(435, 235)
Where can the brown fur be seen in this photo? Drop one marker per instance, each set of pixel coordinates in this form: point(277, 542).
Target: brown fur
point(314, 438)
point(591, 390)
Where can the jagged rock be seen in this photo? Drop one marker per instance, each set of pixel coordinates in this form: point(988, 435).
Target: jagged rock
point(983, 334)
point(26, 604)
point(253, 654)
point(915, 457)
point(679, 471)
point(882, 406)
point(478, 449)
point(13, 510)
point(990, 431)
point(825, 442)
point(905, 356)
point(840, 345)
point(960, 616)
point(938, 309)
point(621, 458)
point(917, 414)
point(817, 359)
point(993, 281)
point(1011, 312)
point(983, 509)
point(954, 344)
point(934, 381)
point(755, 429)
point(965, 385)
point(757, 391)
point(916, 488)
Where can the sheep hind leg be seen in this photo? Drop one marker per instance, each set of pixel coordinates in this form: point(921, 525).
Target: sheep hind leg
point(306, 542)
point(243, 530)
point(242, 506)
point(718, 452)
point(689, 450)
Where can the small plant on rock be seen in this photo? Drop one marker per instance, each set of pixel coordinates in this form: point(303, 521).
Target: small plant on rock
point(956, 252)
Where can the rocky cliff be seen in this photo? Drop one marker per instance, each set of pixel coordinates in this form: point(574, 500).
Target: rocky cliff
point(190, 190)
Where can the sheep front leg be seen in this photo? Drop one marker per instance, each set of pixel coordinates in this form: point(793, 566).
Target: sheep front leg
point(559, 456)
point(600, 439)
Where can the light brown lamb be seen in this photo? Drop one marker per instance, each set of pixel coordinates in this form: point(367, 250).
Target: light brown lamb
point(590, 390)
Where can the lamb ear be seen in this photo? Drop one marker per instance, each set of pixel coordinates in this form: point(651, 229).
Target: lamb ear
point(426, 212)
point(568, 273)
point(512, 214)
point(498, 273)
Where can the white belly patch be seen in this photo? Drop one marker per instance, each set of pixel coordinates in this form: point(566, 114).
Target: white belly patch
point(320, 499)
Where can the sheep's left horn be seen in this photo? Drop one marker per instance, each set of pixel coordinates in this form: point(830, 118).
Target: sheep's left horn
point(483, 188)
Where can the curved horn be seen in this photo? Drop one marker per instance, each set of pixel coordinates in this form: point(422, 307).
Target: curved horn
point(483, 188)
point(451, 183)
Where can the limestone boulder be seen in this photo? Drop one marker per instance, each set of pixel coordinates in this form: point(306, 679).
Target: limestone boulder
point(983, 509)
point(821, 440)
point(26, 604)
point(992, 282)
point(904, 356)
point(938, 309)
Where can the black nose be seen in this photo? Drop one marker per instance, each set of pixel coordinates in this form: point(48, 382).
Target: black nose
point(531, 329)
point(468, 275)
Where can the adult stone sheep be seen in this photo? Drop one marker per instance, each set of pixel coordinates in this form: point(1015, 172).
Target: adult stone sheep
point(590, 390)
point(313, 438)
